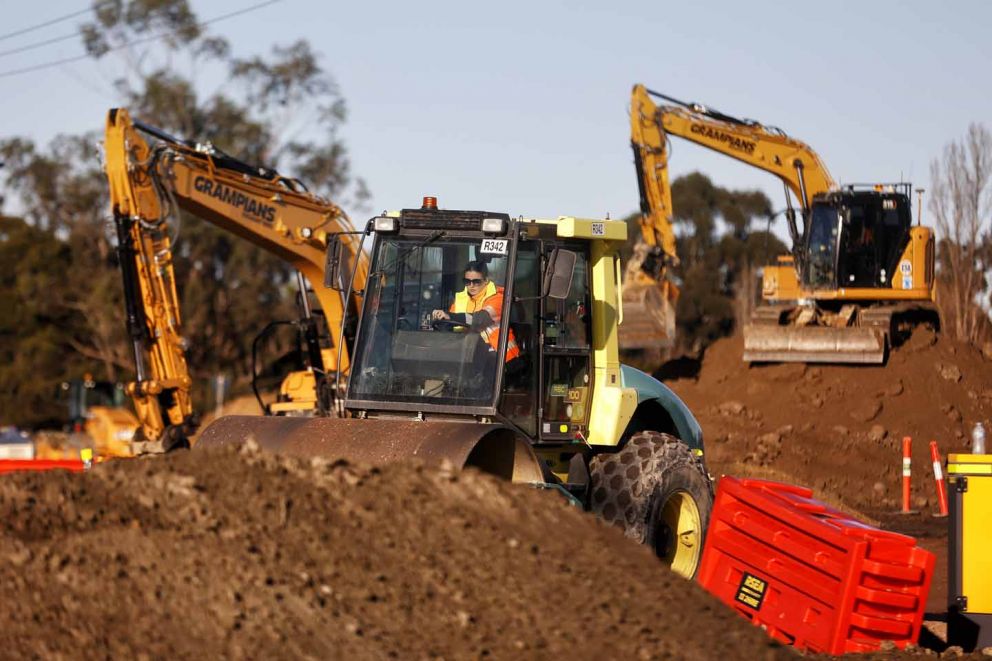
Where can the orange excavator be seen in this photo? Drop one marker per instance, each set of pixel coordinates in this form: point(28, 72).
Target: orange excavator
point(860, 275)
point(150, 179)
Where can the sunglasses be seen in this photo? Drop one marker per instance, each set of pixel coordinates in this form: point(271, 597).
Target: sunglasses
point(473, 281)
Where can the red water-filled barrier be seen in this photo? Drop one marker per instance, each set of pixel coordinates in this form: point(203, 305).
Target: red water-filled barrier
point(14, 465)
point(810, 575)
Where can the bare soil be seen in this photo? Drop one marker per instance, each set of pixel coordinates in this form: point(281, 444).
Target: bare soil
point(241, 554)
point(839, 429)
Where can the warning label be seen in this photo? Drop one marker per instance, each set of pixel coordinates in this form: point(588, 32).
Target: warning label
point(751, 591)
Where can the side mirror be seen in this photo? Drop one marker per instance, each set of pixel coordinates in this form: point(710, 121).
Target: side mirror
point(558, 274)
point(333, 264)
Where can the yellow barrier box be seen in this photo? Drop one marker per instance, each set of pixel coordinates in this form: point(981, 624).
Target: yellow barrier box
point(969, 557)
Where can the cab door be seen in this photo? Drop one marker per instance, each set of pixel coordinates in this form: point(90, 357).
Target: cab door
point(566, 355)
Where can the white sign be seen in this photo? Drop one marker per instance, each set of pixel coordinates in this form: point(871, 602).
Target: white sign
point(493, 246)
point(906, 267)
point(598, 229)
point(907, 282)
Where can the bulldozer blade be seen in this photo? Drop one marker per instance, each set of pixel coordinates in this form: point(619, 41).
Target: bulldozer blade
point(491, 448)
point(772, 343)
point(648, 319)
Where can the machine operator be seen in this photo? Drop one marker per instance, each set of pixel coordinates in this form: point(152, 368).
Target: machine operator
point(479, 306)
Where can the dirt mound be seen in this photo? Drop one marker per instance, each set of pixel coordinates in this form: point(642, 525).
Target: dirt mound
point(838, 429)
point(224, 553)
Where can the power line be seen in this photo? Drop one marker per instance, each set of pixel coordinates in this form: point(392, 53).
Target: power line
point(38, 44)
point(59, 19)
point(77, 58)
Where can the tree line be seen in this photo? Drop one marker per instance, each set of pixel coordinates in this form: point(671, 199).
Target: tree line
point(60, 289)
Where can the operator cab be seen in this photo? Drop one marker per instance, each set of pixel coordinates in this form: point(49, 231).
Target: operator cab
point(856, 237)
point(79, 396)
point(474, 314)
point(405, 351)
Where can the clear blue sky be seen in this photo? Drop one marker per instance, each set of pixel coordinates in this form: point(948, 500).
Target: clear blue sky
point(522, 106)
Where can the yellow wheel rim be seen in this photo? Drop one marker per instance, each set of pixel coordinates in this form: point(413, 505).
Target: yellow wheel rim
point(680, 534)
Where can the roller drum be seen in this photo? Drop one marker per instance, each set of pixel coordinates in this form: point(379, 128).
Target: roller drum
point(491, 448)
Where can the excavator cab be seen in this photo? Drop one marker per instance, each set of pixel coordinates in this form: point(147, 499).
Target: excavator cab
point(97, 409)
point(855, 238)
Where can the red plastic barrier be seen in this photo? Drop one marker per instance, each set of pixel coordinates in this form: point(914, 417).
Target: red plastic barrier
point(811, 575)
point(13, 465)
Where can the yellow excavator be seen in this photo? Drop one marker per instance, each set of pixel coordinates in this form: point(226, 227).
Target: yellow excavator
point(149, 182)
point(860, 275)
point(96, 409)
point(524, 383)
point(649, 292)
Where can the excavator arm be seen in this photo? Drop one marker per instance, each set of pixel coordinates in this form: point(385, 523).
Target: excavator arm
point(766, 148)
point(649, 294)
point(651, 161)
point(148, 184)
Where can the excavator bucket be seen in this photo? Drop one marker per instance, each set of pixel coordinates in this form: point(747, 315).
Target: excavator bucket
point(490, 448)
point(648, 317)
point(773, 343)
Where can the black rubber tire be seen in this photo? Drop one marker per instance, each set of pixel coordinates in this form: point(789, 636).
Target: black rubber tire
point(629, 488)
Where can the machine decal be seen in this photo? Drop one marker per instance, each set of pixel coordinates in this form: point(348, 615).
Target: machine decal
point(598, 229)
point(731, 141)
point(906, 268)
point(493, 246)
point(250, 208)
point(751, 591)
point(559, 389)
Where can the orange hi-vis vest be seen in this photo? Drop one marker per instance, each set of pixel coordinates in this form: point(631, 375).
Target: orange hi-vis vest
point(489, 300)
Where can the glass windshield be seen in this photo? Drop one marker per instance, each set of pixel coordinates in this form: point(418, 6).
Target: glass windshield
point(822, 266)
point(81, 395)
point(430, 328)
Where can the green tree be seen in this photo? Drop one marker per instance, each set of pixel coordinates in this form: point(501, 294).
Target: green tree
point(36, 325)
point(720, 249)
point(282, 110)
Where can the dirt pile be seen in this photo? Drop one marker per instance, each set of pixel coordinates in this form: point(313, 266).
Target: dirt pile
point(223, 553)
point(838, 429)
